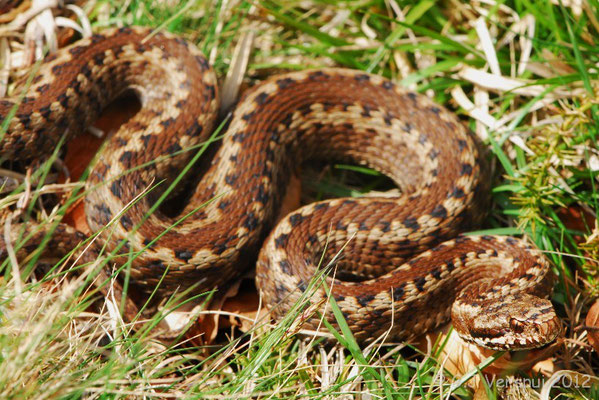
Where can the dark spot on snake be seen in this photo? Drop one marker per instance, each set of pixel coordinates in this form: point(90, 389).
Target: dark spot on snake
point(365, 299)
point(404, 243)
point(194, 130)
point(281, 240)
point(339, 297)
point(233, 158)
point(285, 267)
point(223, 204)
point(125, 158)
point(317, 126)
point(321, 206)
point(487, 237)
point(262, 196)
point(295, 219)
point(285, 82)
point(466, 169)
point(211, 91)
point(436, 273)
point(125, 30)
point(231, 179)
point(312, 239)
point(327, 105)
point(77, 50)
point(57, 69)
point(408, 128)
point(203, 62)
point(126, 222)
point(148, 243)
point(493, 253)
point(173, 148)
point(422, 139)
point(141, 48)
point(346, 105)
point(186, 84)
point(117, 51)
point(157, 264)
point(340, 226)
point(462, 144)
point(457, 193)
point(411, 223)
point(461, 239)
point(275, 137)
point(238, 137)
point(251, 222)
point(348, 202)
point(261, 98)
point(388, 85)
point(388, 118)
point(412, 96)
point(24, 119)
point(486, 333)
point(30, 248)
point(385, 226)
point(362, 78)
point(435, 172)
point(547, 310)
point(104, 213)
point(220, 248)
point(50, 58)
point(348, 126)
point(99, 59)
point(41, 89)
point(63, 99)
point(146, 139)
point(76, 87)
point(97, 38)
point(419, 283)
point(434, 153)
point(366, 110)
point(179, 104)
point(183, 255)
point(316, 75)
point(287, 120)
point(181, 41)
point(398, 292)
point(247, 116)
point(511, 241)
point(302, 286)
point(528, 277)
point(450, 266)
point(115, 188)
point(86, 71)
point(435, 110)
point(363, 227)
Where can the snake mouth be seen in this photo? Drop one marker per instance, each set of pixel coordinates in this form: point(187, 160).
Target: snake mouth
point(523, 338)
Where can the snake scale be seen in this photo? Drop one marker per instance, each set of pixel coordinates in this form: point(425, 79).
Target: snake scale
point(401, 266)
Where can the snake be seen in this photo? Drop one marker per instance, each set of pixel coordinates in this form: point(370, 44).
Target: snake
point(396, 264)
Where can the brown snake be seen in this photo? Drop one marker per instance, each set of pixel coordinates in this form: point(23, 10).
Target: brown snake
point(387, 243)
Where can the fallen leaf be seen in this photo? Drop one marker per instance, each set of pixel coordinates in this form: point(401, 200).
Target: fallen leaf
point(592, 322)
point(459, 357)
point(82, 148)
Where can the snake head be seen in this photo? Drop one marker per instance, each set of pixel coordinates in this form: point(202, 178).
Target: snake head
point(511, 322)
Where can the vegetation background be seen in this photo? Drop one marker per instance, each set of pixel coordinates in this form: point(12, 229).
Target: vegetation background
point(522, 74)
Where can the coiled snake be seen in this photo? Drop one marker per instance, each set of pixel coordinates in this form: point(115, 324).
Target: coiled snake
point(401, 255)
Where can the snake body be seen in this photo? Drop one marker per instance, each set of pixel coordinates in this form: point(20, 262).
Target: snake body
point(403, 268)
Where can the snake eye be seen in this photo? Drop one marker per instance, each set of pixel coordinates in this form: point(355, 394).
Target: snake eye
point(516, 325)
